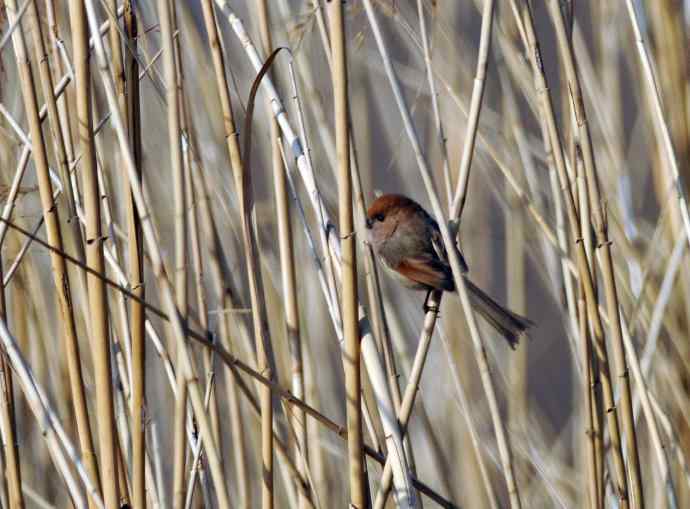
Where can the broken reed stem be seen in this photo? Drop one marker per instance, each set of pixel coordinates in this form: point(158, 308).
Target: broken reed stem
point(61, 278)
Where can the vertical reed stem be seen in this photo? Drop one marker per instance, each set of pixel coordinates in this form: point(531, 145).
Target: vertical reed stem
point(136, 267)
point(352, 355)
point(12, 478)
point(180, 274)
point(243, 184)
point(600, 223)
point(288, 272)
point(52, 221)
point(581, 256)
point(98, 309)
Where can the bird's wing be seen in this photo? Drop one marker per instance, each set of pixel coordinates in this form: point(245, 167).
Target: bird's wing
point(440, 250)
point(427, 270)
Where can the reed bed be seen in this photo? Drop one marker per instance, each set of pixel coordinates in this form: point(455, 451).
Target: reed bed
point(192, 316)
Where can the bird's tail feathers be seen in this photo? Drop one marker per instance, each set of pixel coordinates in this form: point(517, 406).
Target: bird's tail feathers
point(510, 325)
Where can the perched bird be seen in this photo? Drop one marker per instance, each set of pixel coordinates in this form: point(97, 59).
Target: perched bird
point(408, 242)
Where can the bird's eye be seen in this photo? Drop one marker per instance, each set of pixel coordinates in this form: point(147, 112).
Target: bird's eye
point(379, 217)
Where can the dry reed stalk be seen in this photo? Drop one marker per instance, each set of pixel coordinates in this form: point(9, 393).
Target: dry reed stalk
point(172, 91)
point(662, 129)
point(324, 233)
point(14, 191)
point(290, 467)
point(288, 271)
point(14, 22)
point(218, 276)
point(351, 354)
point(61, 278)
point(62, 101)
point(73, 236)
point(673, 178)
point(480, 352)
point(591, 480)
point(672, 65)
point(671, 68)
point(594, 431)
point(157, 264)
point(315, 451)
point(591, 369)
point(408, 401)
point(516, 299)
point(328, 269)
point(121, 336)
point(197, 468)
point(655, 435)
point(259, 315)
point(305, 489)
point(369, 352)
point(99, 330)
point(461, 190)
point(243, 186)
point(50, 427)
point(600, 223)
point(120, 328)
point(583, 265)
point(210, 399)
point(136, 265)
point(442, 140)
point(237, 366)
point(12, 480)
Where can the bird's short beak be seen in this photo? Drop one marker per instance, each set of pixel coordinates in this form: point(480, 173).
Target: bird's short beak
point(369, 223)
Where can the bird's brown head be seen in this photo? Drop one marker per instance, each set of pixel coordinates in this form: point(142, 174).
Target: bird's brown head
point(385, 213)
point(385, 207)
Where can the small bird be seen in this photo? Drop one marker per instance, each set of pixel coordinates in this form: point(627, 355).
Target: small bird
point(408, 242)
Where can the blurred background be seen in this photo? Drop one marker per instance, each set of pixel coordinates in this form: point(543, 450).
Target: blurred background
point(514, 235)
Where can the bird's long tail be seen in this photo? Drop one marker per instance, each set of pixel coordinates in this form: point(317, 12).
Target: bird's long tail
point(509, 324)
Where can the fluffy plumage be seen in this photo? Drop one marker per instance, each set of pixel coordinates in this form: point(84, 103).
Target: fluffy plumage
point(408, 242)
